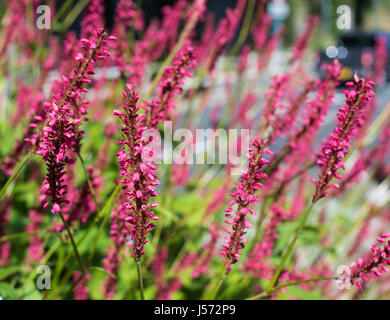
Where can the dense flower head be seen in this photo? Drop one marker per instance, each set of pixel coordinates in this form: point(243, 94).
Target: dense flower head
point(281, 124)
point(381, 60)
point(314, 114)
point(139, 178)
point(30, 136)
point(171, 84)
point(273, 102)
point(170, 23)
point(374, 264)
point(60, 135)
point(302, 42)
point(126, 16)
point(243, 197)
point(225, 32)
point(261, 30)
point(337, 145)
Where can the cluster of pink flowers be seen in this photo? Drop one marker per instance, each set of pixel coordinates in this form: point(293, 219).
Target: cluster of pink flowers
point(158, 37)
point(226, 31)
point(12, 25)
point(60, 135)
point(273, 102)
point(339, 142)
point(313, 115)
point(374, 264)
point(300, 46)
point(283, 123)
point(172, 16)
point(171, 84)
point(243, 197)
point(381, 60)
point(261, 30)
point(126, 16)
point(139, 178)
point(30, 136)
point(80, 290)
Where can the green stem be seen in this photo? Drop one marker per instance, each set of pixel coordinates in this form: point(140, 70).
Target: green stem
point(95, 241)
point(65, 6)
point(72, 16)
point(140, 281)
point(89, 182)
point(73, 243)
point(217, 285)
point(245, 28)
point(266, 293)
point(15, 174)
point(289, 249)
point(19, 235)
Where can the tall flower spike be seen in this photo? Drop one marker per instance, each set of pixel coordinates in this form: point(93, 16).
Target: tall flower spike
point(171, 84)
point(315, 112)
point(225, 33)
point(139, 178)
point(60, 135)
point(273, 100)
point(243, 198)
point(300, 46)
point(373, 264)
point(338, 144)
point(381, 60)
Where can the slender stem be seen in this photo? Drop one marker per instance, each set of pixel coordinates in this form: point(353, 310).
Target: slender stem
point(218, 284)
point(62, 10)
point(89, 182)
point(73, 243)
point(140, 281)
point(289, 249)
point(72, 16)
point(245, 28)
point(95, 241)
point(265, 293)
point(19, 235)
point(15, 174)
